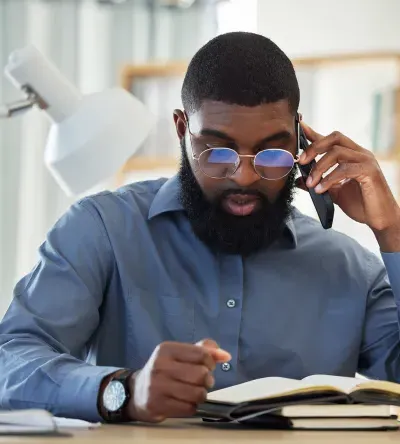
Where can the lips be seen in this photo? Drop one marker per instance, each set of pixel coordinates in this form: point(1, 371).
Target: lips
point(241, 204)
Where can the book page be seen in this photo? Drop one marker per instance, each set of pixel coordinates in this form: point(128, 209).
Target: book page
point(342, 383)
point(349, 385)
point(384, 386)
point(272, 387)
point(336, 411)
point(258, 389)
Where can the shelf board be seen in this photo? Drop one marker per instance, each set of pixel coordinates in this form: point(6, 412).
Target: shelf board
point(393, 155)
point(387, 157)
point(150, 163)
point(337, 59)
point(179, 67)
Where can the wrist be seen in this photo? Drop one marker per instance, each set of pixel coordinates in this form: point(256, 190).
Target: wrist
point(106, 414)
point(134, 412)
point(389, 238)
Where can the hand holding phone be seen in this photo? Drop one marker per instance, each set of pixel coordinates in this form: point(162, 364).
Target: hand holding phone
point(322, 202)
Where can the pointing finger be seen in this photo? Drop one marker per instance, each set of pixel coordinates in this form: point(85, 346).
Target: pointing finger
point(218, 354)
point(311, 135)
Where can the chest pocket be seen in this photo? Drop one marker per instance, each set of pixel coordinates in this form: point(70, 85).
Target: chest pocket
point(154, 317)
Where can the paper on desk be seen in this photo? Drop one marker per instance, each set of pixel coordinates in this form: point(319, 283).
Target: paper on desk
point(74, 423)
point(36, 421)
point(26, 422)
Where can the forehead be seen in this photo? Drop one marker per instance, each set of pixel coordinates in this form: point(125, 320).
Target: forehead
point(235, 119)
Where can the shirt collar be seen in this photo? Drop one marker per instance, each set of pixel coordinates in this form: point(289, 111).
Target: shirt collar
point(167, 200)
point(290, 230)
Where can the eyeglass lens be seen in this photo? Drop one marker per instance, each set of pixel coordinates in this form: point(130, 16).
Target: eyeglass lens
point(270, 164)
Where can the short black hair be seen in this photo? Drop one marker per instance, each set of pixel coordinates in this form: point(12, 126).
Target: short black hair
point(240, 68)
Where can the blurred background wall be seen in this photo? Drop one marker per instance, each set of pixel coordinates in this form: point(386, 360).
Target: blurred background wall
point(357, 98)
point(91, 41)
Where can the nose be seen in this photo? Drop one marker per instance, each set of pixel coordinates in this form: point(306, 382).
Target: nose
point(245, 175)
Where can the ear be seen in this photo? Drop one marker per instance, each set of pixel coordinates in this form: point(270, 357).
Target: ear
point(180, 123)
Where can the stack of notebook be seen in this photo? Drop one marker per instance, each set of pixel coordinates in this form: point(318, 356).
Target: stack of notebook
point(316, 402)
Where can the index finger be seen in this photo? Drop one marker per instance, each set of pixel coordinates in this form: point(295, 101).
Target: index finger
point(192, 354)
point(215, 350)
point(311, 135)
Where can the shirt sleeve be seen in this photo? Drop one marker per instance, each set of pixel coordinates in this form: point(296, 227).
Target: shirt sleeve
point(380, 351)
point(53, 314)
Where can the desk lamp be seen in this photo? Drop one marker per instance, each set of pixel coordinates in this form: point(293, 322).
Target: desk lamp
point(91, 136)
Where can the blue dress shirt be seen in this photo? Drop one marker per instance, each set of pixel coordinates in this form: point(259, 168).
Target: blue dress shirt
point(122, 271)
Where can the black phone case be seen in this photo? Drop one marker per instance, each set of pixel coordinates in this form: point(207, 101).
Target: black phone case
point(322, 202)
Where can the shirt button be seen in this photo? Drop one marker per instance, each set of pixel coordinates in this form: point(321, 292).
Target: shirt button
point(226, 366)
point(231, 303)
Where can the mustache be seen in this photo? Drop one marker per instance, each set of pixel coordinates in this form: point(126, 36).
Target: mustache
point(241, 191)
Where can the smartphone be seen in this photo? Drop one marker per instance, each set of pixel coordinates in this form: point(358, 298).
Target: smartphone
point(322, 202)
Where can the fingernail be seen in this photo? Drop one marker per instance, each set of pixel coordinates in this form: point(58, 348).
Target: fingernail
point(309, 181)
point(225, 355)
point(303, 157)
point(208, 343)
point(318, 188)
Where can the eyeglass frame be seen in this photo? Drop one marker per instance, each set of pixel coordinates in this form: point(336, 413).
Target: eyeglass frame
point(252, 156)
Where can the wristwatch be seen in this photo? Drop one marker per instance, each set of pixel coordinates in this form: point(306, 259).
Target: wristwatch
point(116, 396)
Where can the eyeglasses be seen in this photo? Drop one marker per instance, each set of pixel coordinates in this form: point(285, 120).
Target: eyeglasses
point(222, 162)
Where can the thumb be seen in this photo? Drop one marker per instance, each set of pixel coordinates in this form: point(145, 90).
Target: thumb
point(208, 343)
point(218, 354)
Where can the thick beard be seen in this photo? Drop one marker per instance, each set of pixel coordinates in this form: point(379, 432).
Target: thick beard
point(227, 233)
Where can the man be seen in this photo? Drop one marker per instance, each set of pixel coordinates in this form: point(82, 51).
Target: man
point(112, 322)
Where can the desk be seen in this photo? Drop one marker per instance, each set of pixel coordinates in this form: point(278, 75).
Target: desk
point(194, 432)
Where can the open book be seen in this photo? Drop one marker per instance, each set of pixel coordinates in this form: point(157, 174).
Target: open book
point(269, 395)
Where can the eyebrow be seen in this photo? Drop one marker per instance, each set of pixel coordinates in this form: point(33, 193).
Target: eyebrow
point(281, 135)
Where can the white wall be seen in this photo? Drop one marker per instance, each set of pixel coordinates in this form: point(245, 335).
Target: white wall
point(89, 42)
point(313, 27)
point(332, 97)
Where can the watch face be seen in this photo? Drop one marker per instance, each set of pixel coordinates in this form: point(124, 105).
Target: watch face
point(114, 396)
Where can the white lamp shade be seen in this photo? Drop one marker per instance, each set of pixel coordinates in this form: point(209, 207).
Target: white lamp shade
point(94, 142)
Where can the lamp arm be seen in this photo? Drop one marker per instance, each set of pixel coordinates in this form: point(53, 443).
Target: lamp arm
point(18, 107)
point(21, 106)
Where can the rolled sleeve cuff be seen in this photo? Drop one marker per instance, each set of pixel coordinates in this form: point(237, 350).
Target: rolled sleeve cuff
point(79, 393)
point(392, 264)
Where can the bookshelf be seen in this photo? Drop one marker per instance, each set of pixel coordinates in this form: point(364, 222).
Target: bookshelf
point(150, 160)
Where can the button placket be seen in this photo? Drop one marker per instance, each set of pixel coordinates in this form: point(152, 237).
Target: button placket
point(231, 268)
